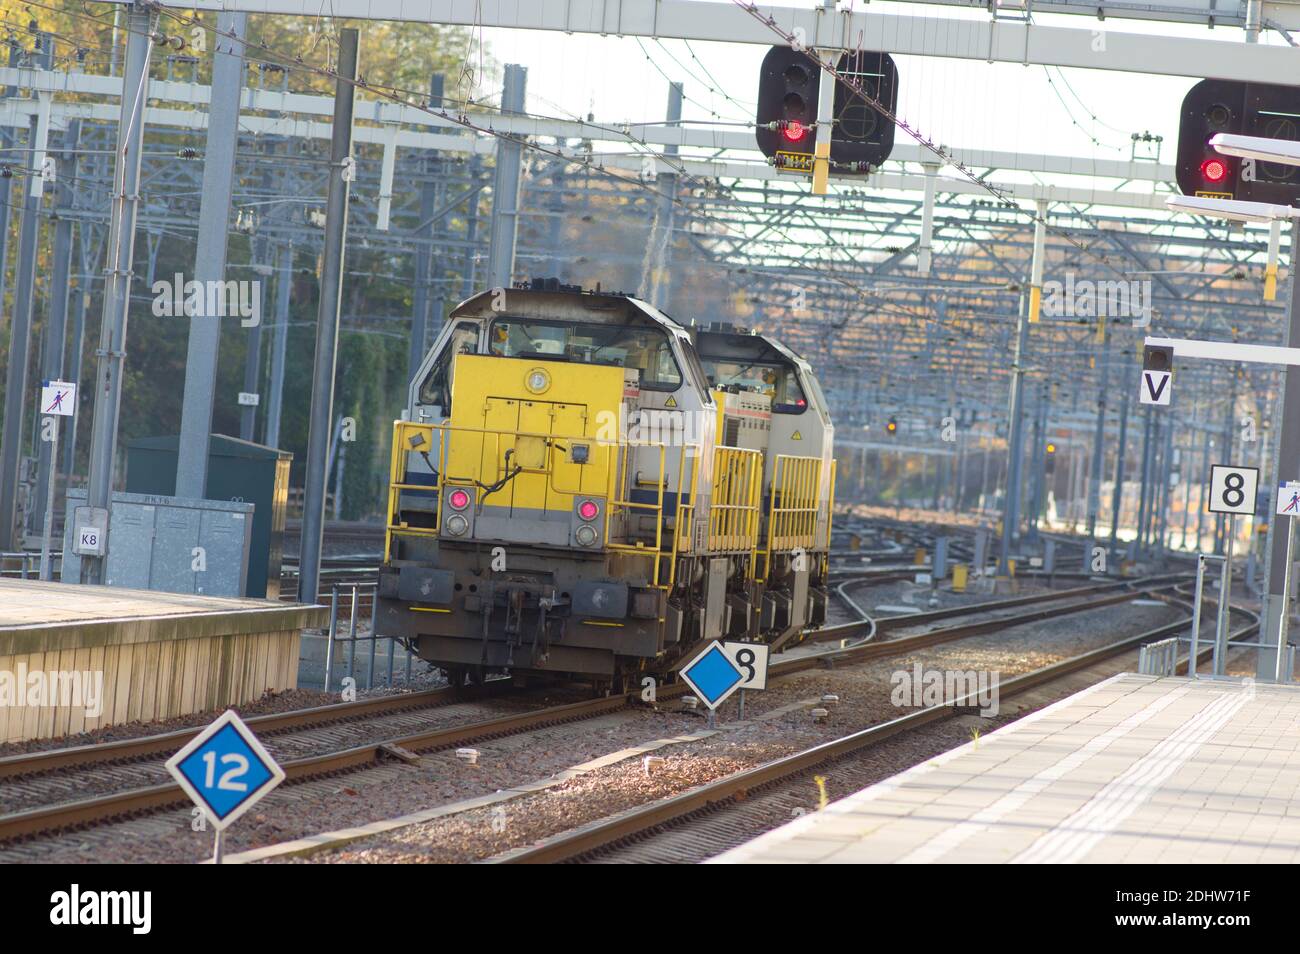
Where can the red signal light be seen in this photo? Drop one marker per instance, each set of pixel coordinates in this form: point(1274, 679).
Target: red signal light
point(1214, 170)
point(793, 130)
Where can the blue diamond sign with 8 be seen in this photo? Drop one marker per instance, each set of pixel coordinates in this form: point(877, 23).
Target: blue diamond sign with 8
point(712, 675)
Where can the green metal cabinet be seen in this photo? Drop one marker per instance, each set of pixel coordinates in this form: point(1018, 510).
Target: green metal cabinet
point(237, 470)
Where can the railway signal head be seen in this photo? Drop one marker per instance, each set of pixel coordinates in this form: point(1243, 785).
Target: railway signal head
point(892, 427)
point(862, 130)
point(1157, 358)
point(788, 85)
point(1268, 110)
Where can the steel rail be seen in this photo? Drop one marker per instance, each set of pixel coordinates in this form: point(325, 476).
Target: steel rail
point(610, 831)
point(130, 802)
point(165, 743)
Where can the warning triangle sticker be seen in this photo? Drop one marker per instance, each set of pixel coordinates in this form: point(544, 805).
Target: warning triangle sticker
point(796, 436)
point(671, 402)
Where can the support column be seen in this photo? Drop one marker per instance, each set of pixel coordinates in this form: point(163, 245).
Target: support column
point(117, 278)
point(280, 344)
point(1184, 467)
point(327, 322)
point(253, 351)
point(60, 283)
point(1225, 449)
point(6, 145)
point(1205, 486)
point(925, 246)
point(1286, 460)
point(210, 255)
point(656, 280)
point(429, 202)
point(1016, 430)
point(1099, 436)
point(1117, 494)
point(1144, 484)
point(20, 329)
point(80, 302)
point(469, 276)
point(1038, 461)
point(1015, 446)
point(505, 190)
point(1166, 473)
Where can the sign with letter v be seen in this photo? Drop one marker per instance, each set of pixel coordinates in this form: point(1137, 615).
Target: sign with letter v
point(1155, 388)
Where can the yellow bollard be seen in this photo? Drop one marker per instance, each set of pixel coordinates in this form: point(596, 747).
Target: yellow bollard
point(1011, 568)
point(959, 578)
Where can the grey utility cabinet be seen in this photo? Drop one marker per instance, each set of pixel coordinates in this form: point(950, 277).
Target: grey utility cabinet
point(153, 539)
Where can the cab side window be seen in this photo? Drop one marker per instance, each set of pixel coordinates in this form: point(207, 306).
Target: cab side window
point(436, 389)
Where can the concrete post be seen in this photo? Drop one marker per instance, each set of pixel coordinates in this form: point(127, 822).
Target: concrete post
point(20, 330)
point(505, 190)
point(117, 280)
point(60, 282)
point(327, 321)
point(429, 202)
point(656, 277)
point(1286, 461)
point(210, 255)
point(280, 343)
point(1117, 494)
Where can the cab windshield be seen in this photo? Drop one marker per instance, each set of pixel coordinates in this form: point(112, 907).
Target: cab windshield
point(646, 349)
point(778, 381)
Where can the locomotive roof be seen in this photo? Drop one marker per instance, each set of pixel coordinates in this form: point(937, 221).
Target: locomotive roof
point(565, 305)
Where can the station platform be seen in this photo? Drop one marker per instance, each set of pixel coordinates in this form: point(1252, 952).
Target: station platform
point(1137, 769)
point(107, 655)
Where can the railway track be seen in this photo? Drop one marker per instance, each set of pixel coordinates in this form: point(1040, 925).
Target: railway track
point(730, 810)
point(138, 799)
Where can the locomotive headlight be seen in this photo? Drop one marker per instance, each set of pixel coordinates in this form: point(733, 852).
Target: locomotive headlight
point(537, 380)
point(456, 525)
point(585, 535)
point(458, 499)
point(588, 510)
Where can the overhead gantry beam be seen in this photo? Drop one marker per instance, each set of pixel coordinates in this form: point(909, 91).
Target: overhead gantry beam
point(658, 134)
point(990, 41)
point(450, 137)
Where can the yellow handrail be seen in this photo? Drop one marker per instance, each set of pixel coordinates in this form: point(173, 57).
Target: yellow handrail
point(792, 506)
point(735, 507)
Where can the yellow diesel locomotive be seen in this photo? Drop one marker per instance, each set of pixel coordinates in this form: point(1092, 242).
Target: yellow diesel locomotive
point(581, 485)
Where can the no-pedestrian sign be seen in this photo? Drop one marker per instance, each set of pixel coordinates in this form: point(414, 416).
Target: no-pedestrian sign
point(59, 397)
point(1288, 499)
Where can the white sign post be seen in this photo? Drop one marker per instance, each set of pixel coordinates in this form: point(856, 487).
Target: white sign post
point(1232, 492)
point(58, 400)
point(751, 660)
point(225, 770)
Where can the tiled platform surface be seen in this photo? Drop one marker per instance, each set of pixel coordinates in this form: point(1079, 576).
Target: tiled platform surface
point(1134, 769)
point(154, 655)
